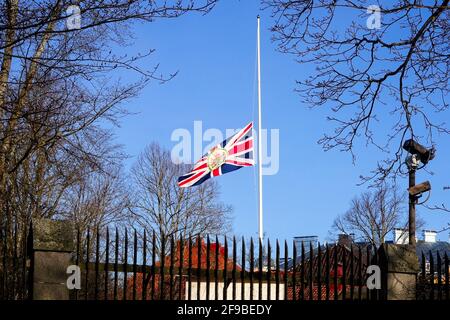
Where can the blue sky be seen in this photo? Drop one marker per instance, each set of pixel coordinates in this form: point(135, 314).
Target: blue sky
point(216, 58)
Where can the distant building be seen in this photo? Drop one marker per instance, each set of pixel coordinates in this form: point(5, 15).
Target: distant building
point(427, 244)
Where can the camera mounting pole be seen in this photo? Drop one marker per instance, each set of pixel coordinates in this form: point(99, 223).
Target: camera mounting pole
point(412, 161)
point(417, 154)
point(412, 207)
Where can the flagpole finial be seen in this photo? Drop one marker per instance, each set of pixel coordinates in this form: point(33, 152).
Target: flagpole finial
point(257, 17)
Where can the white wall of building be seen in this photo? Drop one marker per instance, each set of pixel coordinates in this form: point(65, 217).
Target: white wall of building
point(203, 287)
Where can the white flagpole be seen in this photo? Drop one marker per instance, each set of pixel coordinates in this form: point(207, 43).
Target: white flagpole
point(260, 206)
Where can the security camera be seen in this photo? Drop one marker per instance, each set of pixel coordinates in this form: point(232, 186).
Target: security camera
point(422, 152)
point(419, 188)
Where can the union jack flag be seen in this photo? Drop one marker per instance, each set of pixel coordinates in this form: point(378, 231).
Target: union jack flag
point(230, 155)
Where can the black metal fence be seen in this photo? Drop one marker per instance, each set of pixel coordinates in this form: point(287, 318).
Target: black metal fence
point(14, 263)
point(122, 265)
point(433, 280)
point(149, 266)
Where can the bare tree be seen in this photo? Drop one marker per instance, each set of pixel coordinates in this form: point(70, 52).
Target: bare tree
point(97, 200)
point(56, 81)
point(162, 206)
point(363, 72)
point(58, 85)
point(373, 215)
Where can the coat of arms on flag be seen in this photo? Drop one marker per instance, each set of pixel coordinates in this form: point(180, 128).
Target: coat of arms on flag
point(230, 155)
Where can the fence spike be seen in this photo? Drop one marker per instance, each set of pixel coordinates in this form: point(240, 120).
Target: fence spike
point(269, 271)
point(144, 263)
point(216, 270)
point(327, 272)
point(360, 274)
point(431, 275)
point(260, 269)
point(87, 265)
point(162, 262)
point(233, 271)
point(286, 266)
point(301, 296)
point(344, 273)
point(252, 267)
point(336, 271)
point(199, 265)
point(172, 261)
point(311, 271)
point(153, 269)
point(225, 266)
point(190, 268)
point(352, 291)
point(106, 264)
point(277, 271)
point(447, 279)
point(243, 270)
point(116, 265)
point(294, 271)
point(208, 266)
point(97, 261)
point(135, 249)
point(319, 272)
point(439, 274)
point(180, 269)
point(125, 275)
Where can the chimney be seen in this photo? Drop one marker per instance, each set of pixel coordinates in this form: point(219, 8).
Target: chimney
point(345, 239)
point(429, 236)
point(401, 236)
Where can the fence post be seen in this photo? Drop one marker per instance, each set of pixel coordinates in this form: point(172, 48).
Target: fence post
point(51, 254)
point(399, 266)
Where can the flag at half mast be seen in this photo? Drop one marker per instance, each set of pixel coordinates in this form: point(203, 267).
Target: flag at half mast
point(230, 155)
